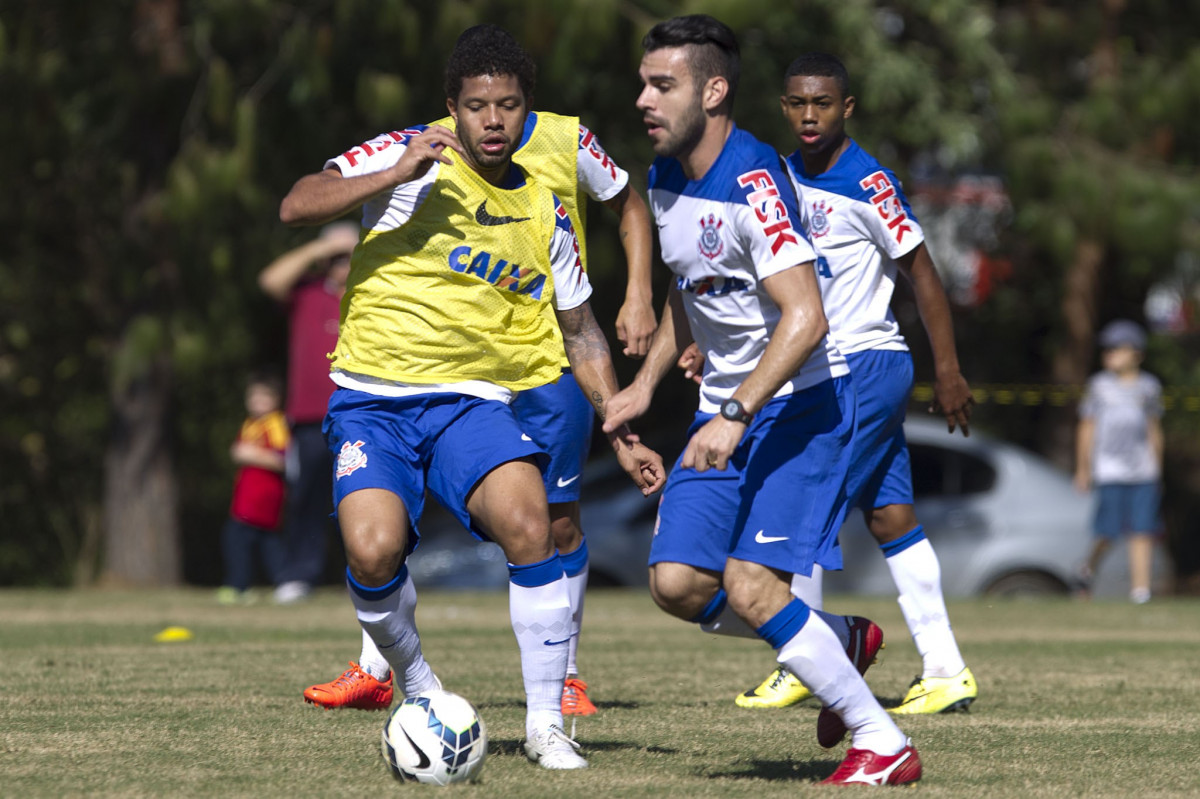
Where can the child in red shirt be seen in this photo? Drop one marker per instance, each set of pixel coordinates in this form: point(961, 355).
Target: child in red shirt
point(258, 491)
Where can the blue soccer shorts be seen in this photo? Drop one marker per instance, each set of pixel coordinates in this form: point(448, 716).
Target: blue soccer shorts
point(781, 500)
point(559, 419)
point(445, 443)
point(880, 470)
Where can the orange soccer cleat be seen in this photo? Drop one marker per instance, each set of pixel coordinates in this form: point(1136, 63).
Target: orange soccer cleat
point(355, 688)
point(575, 700)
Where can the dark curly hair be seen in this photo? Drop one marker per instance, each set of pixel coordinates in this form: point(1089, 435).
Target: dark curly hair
point(488, 50)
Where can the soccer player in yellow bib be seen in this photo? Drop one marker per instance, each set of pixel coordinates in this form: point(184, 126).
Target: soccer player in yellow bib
point(563, 155)
point(464, 290)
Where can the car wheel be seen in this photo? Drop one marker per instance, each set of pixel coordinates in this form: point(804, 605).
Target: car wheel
point(1027, 583)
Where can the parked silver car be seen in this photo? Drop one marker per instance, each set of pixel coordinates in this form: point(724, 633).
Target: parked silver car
point(1003, 521)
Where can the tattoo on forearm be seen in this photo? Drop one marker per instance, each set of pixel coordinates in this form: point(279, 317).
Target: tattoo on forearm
point(598, 403)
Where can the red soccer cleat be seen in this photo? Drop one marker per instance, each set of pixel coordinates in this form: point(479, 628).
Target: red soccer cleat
point(355, 688)
point(864, 767)
point(866, 639)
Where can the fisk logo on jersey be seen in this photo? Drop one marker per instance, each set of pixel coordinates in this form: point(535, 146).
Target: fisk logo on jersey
point(818, 224)
point(710, 244)
point(887, 204)
point(497, 271)
point(770, 209)
point(589, 142)
point(712, 285)
point(369, 148)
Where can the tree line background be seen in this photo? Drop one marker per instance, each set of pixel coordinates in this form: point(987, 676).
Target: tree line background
point(148, 144)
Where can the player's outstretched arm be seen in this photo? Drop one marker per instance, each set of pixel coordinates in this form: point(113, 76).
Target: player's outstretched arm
point(951, 393)
point(636, 322)
point(672, 336)
point(322, 196)
point(591, 363)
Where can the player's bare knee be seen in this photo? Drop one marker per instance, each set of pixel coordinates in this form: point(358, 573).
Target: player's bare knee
point(565, 532)
point(681, 590)
point(891, 522)
point(525, 538)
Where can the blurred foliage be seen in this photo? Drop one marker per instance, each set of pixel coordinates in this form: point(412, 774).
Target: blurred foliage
point(149, 144)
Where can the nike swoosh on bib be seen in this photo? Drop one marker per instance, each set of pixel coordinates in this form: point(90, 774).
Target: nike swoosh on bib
point(484, 218)
point(768, 539)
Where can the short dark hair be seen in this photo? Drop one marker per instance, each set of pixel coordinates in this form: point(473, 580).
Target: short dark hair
point(716, 49)
point(488, 50)
point(268, 378)
point(822, 65)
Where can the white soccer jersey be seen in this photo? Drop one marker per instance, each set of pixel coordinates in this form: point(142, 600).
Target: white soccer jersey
point(858, 221)
point(599, 176)
point(389, 210)
point(722, 236)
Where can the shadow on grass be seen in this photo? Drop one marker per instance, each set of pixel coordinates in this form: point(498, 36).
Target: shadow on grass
point(776, 771)
point(503, 747)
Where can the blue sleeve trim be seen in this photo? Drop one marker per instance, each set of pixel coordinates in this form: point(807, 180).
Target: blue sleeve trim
point(913, 536)
point(783, 626)
point(375, 594)
point(533, 575)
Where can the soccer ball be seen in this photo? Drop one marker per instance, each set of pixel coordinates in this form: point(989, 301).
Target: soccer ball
point(436, 738)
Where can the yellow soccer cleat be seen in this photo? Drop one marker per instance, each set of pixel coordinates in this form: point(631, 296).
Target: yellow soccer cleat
point(939, 694)
point(781, 689)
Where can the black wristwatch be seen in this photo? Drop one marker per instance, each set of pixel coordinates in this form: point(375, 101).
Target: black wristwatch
point(732, 410)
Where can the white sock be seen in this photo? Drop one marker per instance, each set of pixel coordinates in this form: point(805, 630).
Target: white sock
point(541, 620)
point(390, 622)
point(576, 586)
point(808, 589)
point(372, 660)
point(815, 655)
point(918, 578)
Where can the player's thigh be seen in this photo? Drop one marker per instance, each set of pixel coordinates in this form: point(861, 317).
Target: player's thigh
point(467, 471)
point(696, 516)
point(559, 419)
point(509, 504)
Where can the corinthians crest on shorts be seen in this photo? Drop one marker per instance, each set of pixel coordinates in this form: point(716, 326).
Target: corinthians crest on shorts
point(350, 458)
point(710, 244)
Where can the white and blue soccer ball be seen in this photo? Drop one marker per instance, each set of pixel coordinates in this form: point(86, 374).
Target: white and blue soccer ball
point(437, 738)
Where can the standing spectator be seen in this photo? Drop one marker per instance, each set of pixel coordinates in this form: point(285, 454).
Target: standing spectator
point(310, 280)
point(1118, 450)
point(258, 492)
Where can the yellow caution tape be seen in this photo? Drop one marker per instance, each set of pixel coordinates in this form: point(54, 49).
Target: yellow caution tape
point(1174, 399)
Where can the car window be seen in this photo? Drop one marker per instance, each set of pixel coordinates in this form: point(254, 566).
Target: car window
point(937, 471)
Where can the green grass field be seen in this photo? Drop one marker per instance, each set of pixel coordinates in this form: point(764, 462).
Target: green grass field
point(1077, 700)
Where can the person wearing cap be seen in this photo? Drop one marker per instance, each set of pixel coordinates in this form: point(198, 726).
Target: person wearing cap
point(1119, 448)
point(310, 280)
